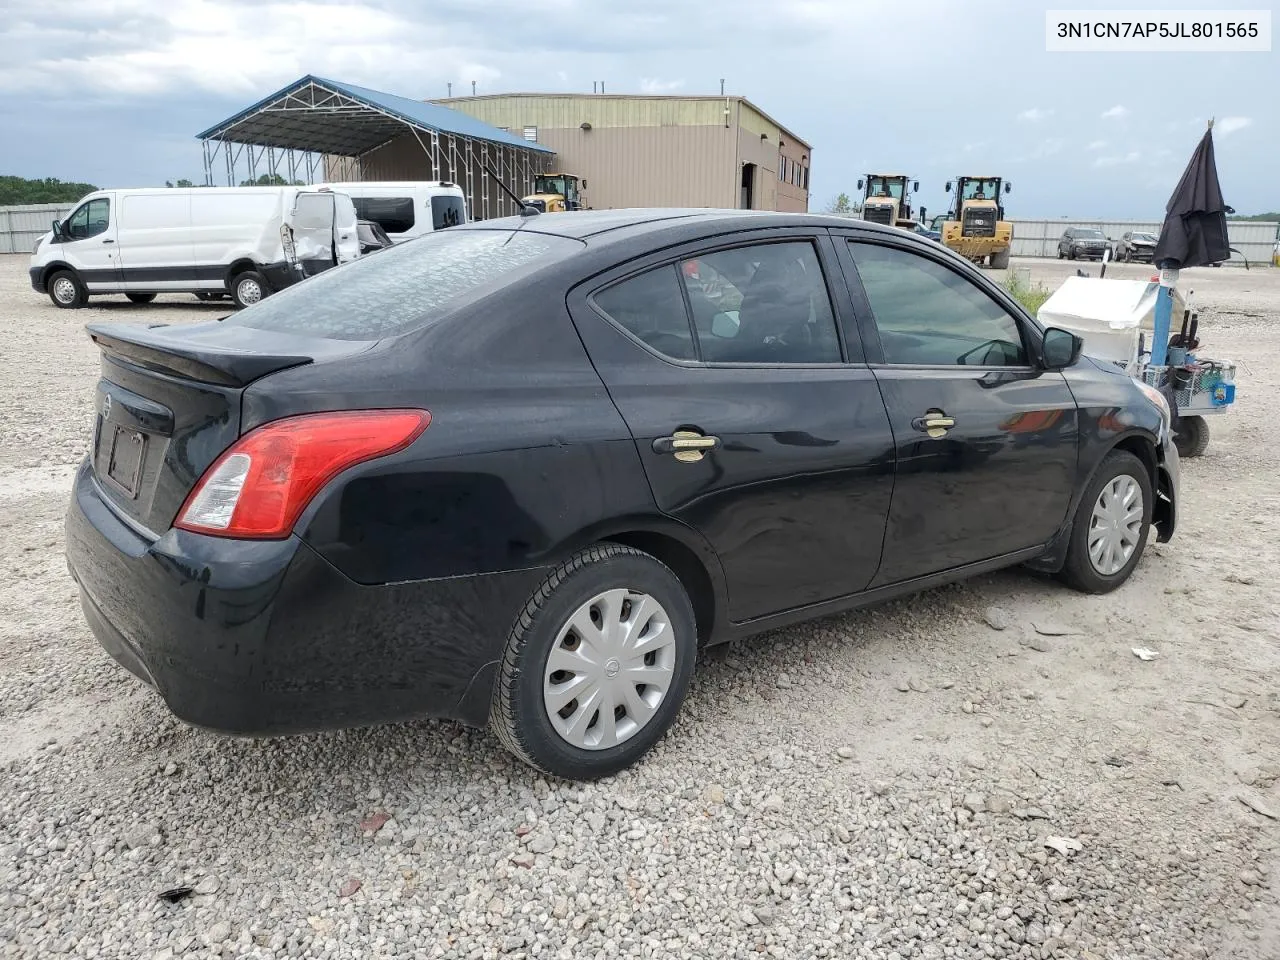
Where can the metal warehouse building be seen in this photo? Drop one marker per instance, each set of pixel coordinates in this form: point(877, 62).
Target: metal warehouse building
point(631, 151)
point(642, 151)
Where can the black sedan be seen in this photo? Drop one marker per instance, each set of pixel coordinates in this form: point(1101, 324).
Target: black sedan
point(1136, 245)
point(521, 471)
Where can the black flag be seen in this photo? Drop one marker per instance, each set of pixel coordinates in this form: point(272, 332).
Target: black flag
point(1195, 222)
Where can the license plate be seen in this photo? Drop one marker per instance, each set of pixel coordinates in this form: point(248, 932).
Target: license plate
point(124, 460)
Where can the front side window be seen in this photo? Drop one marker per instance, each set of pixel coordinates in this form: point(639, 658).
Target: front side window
point(929, 315)
point(90, 220)
point(765, 303)
point(393, 214)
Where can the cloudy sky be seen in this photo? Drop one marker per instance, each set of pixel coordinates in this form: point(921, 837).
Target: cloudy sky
point(112, 91)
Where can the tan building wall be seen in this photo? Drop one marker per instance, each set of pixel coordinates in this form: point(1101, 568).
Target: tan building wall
point(649, 151)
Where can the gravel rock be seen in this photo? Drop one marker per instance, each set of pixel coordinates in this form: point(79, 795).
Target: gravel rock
point(998, 618)
point(752, 803)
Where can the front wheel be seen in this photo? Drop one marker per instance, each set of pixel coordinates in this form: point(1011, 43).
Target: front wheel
point(248, 288)
point(597, 664)
point(1071, 253)
point(1111, 525)
point(1192, 438)
point(66, 290)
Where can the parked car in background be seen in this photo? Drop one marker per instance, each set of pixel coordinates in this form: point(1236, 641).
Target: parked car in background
point(1082, 243)
point(372, 237)
point(928, 232)
point(519, 472)
point(1136, 245)
point(406, 209)
point(244, 241)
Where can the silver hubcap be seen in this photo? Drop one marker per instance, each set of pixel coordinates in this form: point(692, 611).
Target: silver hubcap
point(249, 291)
point(610, 669)
point(1116, 525)
point(64, 290)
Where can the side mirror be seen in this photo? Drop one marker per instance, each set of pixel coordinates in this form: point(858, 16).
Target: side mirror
point(725, 325)
point(915, 186)
point(1008, 187)
point(859, 184)
point(584, 184)
point(948, 186)
point(1061, 349)
point(57, 227)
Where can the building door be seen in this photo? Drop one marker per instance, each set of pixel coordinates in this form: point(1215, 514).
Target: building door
point(748, 186)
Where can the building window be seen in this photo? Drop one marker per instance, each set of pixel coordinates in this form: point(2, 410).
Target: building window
point(782, 168)
point(804, 177)
point(531, 134)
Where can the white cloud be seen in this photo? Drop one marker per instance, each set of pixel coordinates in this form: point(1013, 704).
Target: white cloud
point(1118, 112)
point(1229, 125)
point(1035, 114)
point(1097, 145)
point(653, 85)
point(1133, 156)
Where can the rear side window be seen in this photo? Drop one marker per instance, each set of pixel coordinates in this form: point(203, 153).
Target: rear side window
point(651, 307)
point(763, 303)
point(404, 287)
point(447, 212)
point(393, 214)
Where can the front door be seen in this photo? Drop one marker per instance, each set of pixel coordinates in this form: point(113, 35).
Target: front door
point(89, 244)
point(986, 441)
point(756, 425)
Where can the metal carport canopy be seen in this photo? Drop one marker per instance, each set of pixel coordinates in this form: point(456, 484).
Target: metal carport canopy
point(324, 116)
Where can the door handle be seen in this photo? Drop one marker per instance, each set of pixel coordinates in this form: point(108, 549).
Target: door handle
point(688, 446)
point(108, 241)
point(935, 423)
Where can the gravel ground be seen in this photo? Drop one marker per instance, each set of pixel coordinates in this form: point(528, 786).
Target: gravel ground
point(986, 770)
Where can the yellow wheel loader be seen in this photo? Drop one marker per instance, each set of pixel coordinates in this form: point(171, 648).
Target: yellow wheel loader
point(975, 227)
point(556, 193)
point(885, 199)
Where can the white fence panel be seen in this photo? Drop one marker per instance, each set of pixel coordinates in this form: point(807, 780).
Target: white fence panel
point(1039, 238)
point(21, 226)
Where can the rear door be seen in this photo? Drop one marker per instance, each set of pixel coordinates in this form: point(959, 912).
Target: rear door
point(313, 221)
point(986, 441)
point(755, 418)
point(89, 243)
point(346, 235)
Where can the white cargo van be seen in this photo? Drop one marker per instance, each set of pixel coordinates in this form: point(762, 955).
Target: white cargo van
point(406, 209)
point(210, 241)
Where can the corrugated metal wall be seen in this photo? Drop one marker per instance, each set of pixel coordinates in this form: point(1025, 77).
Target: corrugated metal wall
point(677, 166)
point(22, 226)
point(515, 112)
point(1039, 238)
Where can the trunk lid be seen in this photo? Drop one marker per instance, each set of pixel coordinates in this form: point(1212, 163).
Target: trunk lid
point(169, 402)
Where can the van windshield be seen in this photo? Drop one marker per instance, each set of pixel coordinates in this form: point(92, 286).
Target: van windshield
point(406, 286)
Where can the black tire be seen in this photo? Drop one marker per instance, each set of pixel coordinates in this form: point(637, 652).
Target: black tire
point(1128, 256)
point(519, 716)
point(1192, 438)
point(66, 290)
point(141, 297)
point(248, 288)
point(1071, 253)
point(1078, 572)
point(210, 295)
point(1061, 255)
point(1000, 261)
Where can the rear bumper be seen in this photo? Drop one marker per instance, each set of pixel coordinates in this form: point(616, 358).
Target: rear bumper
point(264, 638)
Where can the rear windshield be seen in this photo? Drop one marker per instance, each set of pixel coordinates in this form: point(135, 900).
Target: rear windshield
point(447, 212)
point(404, 287)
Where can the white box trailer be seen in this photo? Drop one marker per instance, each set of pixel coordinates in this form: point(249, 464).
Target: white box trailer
point(407, 208)
point(211, 241)
point(1110, 315)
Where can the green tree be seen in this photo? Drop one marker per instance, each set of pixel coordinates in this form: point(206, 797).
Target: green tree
point(1259, 217)
point(179, 183)
point(271, 180)
point(842, 206)
point(14, 190)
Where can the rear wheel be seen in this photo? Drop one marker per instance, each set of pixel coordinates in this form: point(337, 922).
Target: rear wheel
point(597, 664)
point(1111, 525)
point(66, 290)
point(1061, 255)
point(1000, 260)
point(248, 288)
point(141, 297)
point(1192, 438)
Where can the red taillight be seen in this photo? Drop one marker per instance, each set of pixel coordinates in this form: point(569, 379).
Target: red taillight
point(259, 487)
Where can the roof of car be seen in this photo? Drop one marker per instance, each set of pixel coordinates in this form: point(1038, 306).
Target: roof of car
point(585, 224)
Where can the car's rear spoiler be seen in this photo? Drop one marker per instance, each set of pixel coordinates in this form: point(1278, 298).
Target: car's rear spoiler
point(203, 352)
